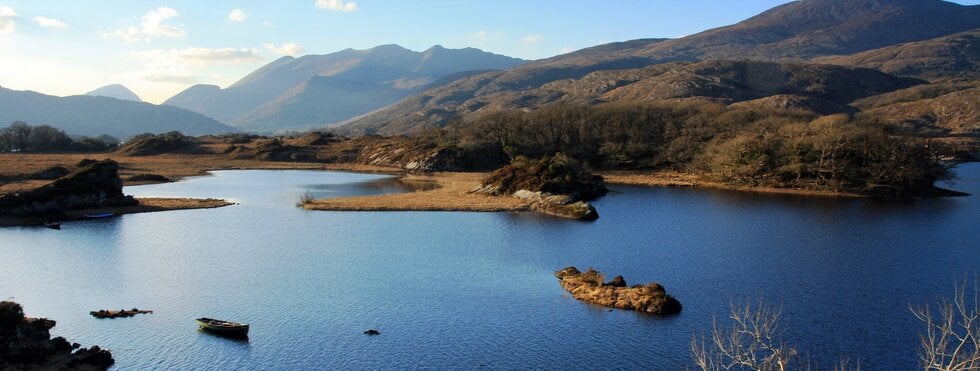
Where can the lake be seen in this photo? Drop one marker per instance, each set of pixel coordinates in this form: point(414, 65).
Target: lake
point(477, 290)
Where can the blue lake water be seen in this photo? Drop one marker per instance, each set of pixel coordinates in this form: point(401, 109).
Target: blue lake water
point(473, 290)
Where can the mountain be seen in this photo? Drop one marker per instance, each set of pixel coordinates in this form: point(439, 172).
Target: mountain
point(954, 56)
point(805, 29)
point(88, 115)
point(309, 91)
point(798, 31)
point(115, 91)
point(822, 88)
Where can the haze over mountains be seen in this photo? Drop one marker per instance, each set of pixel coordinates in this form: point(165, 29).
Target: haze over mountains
point(313, 90)
point(796, 32)
point(115, 91)
point(88, 115)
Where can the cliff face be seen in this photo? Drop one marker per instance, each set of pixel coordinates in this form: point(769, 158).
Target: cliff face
point(97, 185)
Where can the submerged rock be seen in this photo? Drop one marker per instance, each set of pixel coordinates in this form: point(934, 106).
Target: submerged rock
point(26, 343)
point(588, 286)
point(372, 332)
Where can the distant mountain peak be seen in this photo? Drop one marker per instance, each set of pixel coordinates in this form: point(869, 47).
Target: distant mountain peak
point(117, 91)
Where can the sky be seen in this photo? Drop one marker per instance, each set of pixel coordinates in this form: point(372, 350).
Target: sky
point(159, 48)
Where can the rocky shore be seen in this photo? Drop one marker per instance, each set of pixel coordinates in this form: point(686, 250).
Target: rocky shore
point(94, 189)
point(26, 344)
point(589, 286)
point(555, 185)
point(96, 185)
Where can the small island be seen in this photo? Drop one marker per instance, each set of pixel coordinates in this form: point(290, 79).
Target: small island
point(95, 188)
point(589, 287)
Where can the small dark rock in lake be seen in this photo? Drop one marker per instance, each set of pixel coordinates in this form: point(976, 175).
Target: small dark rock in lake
point(118, 313)
point(371, 332)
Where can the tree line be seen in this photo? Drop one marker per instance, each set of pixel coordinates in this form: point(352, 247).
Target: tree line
point(736, 145)
point(21, 137)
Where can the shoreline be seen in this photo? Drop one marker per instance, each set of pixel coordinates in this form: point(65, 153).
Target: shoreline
point(676, 179)
point(147, 205)
point(451, 193)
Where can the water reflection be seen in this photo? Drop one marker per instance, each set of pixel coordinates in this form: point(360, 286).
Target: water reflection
point(457, 290)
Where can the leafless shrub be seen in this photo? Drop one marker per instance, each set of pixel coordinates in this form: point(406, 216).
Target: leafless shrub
point(753, 342)
point(952, 335)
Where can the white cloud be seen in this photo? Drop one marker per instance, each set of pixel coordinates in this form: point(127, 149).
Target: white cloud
point(185, 66)
point(532, 39)
point(566, 49)
point(198, 56)
point(50, 23)
point(292, 49)
point(7, 16)
point(237, 15)
point(267, 23)
point(152, 25)
point(337, 5)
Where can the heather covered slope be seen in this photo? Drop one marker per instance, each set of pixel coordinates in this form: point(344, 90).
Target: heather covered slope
point(721, 81)
point(955, 56)
point(314, 90)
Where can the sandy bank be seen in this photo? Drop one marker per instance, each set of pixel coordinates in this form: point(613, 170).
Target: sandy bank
point(451, 194)
point(148, 205)
point(676, 179)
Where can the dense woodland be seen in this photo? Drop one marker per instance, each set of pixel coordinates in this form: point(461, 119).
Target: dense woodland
point(21, 137)
point(741, 146)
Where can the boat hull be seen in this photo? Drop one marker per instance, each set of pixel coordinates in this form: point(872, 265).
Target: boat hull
point(223, 327)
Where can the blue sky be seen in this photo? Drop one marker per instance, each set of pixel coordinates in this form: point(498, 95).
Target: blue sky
point(158, 48)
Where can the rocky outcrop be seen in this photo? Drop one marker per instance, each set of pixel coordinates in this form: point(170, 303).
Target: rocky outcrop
point(97, 185)
point(26, 343)
point(588, 286)
point(555, 185)
point(563, 206)
point(103, 313)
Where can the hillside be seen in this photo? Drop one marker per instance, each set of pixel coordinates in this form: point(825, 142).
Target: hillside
point(955, 56)
point(826, 88)
point(796, 31)
point(115, 91)
point(294, 93)
point(806, 29)
point(86, 115)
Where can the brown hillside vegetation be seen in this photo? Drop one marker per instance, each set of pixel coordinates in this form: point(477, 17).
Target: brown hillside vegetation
point(826, 88)
point(954, 56)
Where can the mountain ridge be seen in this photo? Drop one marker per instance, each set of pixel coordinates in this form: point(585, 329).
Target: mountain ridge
point(97, 115)
point(798, 31)
point(305, 91)
point(117, 91)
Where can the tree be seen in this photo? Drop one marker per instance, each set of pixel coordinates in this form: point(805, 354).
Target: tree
point(753, 342)
point(951, 340)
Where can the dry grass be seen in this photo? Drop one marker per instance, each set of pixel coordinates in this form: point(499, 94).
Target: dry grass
point(451, 195)
point(676, 179)
point(156, 204)
point(15, 166)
